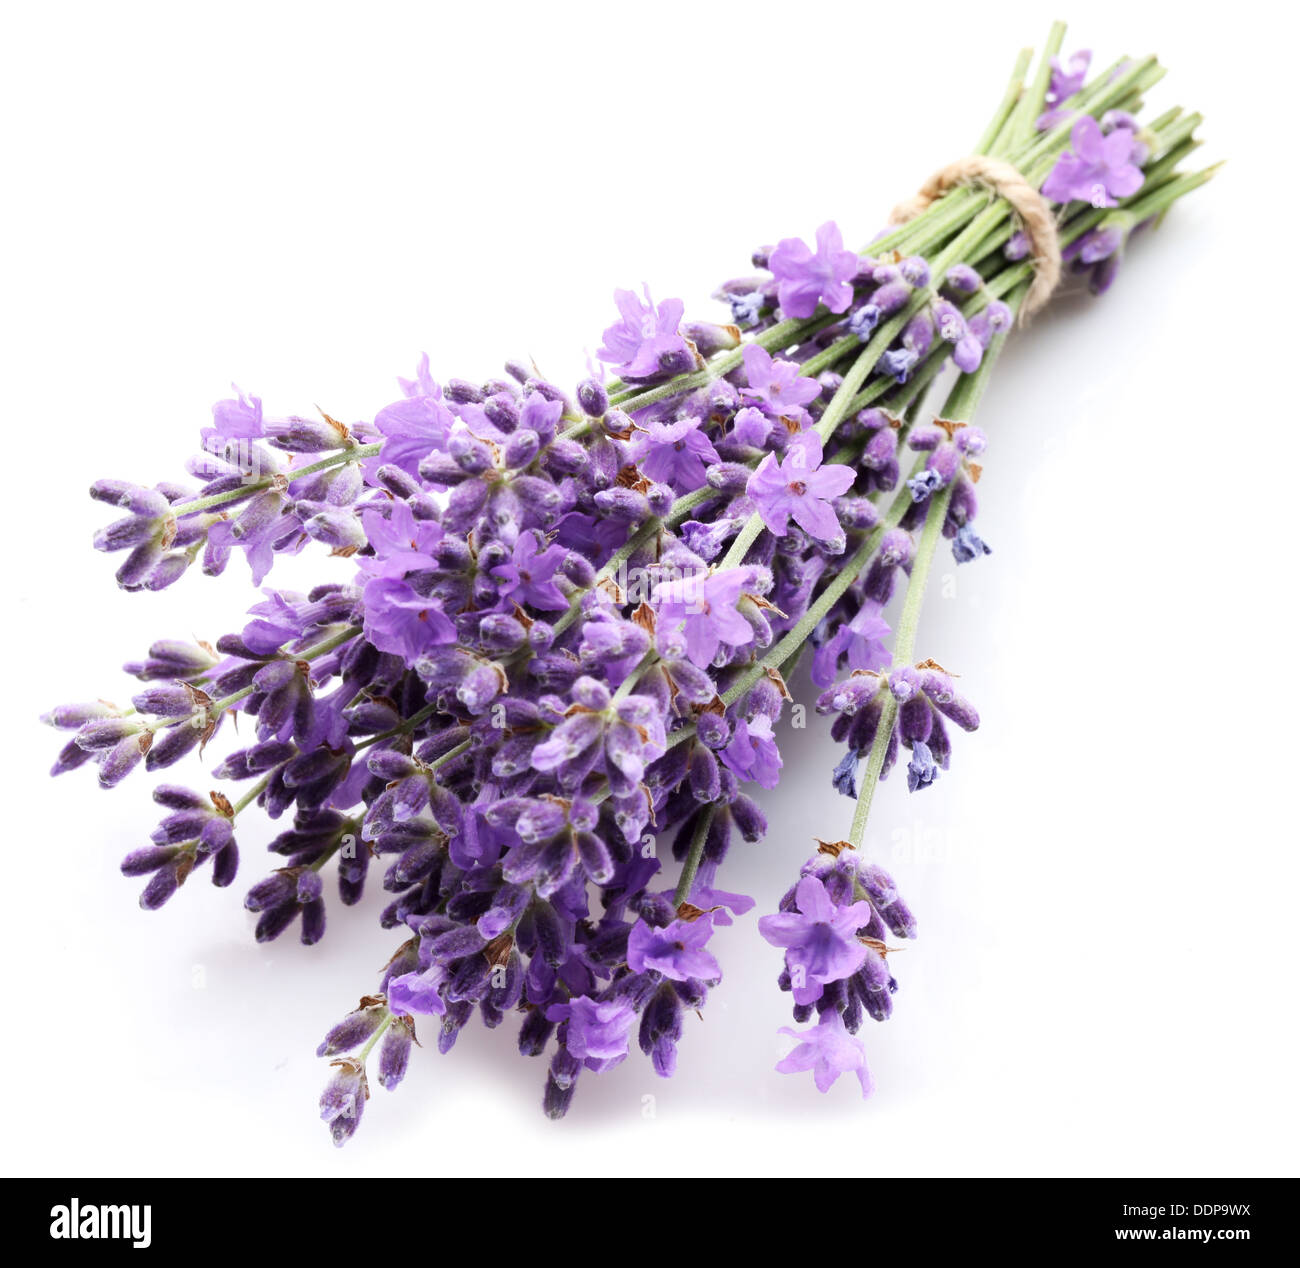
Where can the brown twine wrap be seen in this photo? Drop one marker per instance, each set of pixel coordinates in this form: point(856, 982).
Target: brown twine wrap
point(1006, 181)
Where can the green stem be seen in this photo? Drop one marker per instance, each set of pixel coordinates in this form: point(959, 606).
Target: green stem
point(910, 617)
point(959, 407)
point(693, 856)
point(1160, 199)
point(1008, 104)
point(376, 1037)
point(250, 796)
point(408, 724)
point(463, 747)
point(352, 454)
point(871, 775)
point(904, 646)
point(1032, 103)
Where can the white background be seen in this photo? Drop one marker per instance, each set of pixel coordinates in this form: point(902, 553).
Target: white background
point(303, 198)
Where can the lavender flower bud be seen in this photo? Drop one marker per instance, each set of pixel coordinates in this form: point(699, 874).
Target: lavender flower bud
point(174, 743)
point(344, 1099)
point(122, 759)
point(462, 392)
point(149, 859)
point(626, 505)
point(593, 400)
point(68, 717)
point(963, 278)
point(713, 730)
point(728, 477)
point(521, 448)
point(304, 435)
point(353, 1030)
point(125, 533)
point(709, 338)
point(395, 1052)
point(163, 885)
point(502, 411)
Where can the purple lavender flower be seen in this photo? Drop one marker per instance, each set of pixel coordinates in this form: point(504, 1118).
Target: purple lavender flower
point(860, 641)
point(705, 607)
point(1098, 170)
point(233, 420)
point(964, 279)
point(395, 1052)
point(646, 343)
point(674, 453)
point(528, 577)
point(621, 736)
point(821, 939)
point(267, 526)
point(828, 1050)
point(401, 543)
point(1100, 251)
point(746, 308)
point(777, 386)
point(921, 768)
point(798, 487)
point(752, 753)
point(718, 902)
point(968, 545)
point(1018, 246)
point(597, 1031)
point(354, 1029)
point(750, 428)
point(413, 427)
point(1067, 77)
point(676, 951)
point(805, 277)
point(400, 621)
point(418, 992)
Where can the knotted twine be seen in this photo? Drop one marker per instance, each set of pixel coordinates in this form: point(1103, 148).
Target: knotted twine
point(1007, 183)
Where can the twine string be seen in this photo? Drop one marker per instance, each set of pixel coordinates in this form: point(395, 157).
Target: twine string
point(1007, 183)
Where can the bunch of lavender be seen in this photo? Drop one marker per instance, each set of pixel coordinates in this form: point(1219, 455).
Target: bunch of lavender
point(553, 655)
